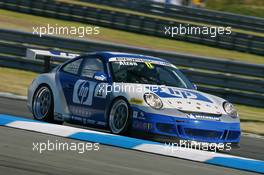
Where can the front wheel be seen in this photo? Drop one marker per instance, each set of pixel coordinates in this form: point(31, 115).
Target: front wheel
point(119, 117)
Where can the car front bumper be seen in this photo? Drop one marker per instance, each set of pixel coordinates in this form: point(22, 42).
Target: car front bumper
point(185, 128)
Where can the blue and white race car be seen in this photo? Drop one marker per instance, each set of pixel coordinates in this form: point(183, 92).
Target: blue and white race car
point(124, 92)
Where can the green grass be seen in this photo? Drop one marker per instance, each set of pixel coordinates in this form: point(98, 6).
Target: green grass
point(252, 119)
point(17, 82)
point(24, 22)
point(246, 113)
point(243, 7)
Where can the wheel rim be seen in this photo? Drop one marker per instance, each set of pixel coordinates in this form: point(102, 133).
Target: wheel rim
point(42, 102)
point(118, 117)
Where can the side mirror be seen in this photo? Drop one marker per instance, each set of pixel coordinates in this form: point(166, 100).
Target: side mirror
point(195, 86)
point(100, 76)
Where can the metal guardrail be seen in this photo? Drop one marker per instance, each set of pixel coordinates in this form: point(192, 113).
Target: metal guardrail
point(132, 23)
point(18, 62)
point(220, 65)
point(250, 23)
point(13, 46)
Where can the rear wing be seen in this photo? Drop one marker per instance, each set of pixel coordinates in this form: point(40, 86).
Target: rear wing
point(48, 56)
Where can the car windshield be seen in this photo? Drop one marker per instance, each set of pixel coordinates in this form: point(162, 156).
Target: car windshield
point(148, 73)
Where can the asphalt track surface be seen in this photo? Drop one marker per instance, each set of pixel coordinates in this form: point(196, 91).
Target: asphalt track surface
point(17, 156)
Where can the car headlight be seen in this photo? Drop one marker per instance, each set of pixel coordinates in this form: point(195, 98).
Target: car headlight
point(153, 100)
point(230, 109)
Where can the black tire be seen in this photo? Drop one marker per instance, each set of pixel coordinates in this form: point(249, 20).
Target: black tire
point(43, 105)
point(115, 115)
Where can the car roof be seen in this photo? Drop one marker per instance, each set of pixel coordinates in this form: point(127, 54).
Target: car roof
point(107, 55)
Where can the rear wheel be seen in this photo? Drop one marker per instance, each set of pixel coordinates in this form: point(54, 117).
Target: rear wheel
point(119, 117)
point(43, 105)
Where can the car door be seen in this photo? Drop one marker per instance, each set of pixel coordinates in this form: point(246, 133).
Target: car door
point(88, 100)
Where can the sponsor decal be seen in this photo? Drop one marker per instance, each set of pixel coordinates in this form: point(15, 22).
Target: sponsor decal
point(170, 92)
point(138, 115)
point(90, 121)
point(87, 121)
point(149, 65)
point(76, 118)
point(100, 77)
point(135, 114)
point(101, 123)
point(83, 92)
point(142, 125)
point(140, 60)
point(203, 117)
point(100, 90)
point(99, 93)
point(80, 111)
point(128, 63)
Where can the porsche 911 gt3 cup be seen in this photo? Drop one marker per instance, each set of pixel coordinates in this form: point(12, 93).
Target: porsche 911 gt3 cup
point(129, 92)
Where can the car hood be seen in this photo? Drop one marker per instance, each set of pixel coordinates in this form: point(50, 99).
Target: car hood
point(185, 100)
point(188, 100)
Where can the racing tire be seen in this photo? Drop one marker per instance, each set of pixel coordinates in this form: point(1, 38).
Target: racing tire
point(119, 117)
point(43, 105)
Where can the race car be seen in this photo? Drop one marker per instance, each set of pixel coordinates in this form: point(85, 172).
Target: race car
point(130, 92)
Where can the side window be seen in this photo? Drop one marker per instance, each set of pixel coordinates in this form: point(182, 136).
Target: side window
point(73, 67)
point(91, 66)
